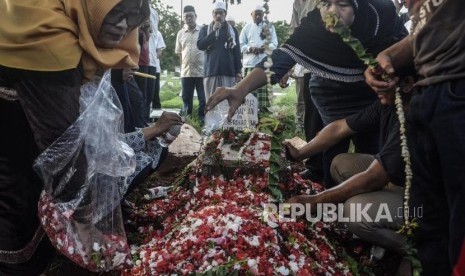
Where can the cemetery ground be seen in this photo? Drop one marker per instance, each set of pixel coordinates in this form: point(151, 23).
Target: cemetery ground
point(177, 169)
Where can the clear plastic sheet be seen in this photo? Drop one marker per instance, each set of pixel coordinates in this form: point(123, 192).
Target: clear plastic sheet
point(79, 207)
point(214, 120)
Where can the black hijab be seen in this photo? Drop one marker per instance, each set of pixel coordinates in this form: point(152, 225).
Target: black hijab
point(376, 25)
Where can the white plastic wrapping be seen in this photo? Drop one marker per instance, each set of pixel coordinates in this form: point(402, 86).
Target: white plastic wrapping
point(79, 207)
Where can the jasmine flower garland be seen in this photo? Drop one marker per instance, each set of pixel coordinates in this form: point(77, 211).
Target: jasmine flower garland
point(268, 63)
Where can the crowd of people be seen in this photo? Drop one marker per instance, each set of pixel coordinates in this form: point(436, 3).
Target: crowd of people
point(59, 45)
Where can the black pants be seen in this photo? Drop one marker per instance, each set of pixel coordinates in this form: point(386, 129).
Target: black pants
point(437, 145)
point(312, 125)
point(131, 99)
point(150, 89)
point(48, 104)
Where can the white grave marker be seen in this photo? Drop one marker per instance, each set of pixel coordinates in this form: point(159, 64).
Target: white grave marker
point(246, 116)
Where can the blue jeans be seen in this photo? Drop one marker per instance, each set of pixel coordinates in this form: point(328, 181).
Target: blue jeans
point(188, 86)
point(437, 144)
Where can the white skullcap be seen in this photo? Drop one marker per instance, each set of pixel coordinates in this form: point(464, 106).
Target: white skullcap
point(259, 8)
point(230, 18)
point(219, 5)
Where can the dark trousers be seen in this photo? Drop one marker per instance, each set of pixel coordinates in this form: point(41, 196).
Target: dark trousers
point(149, 90)
point(156, 104)
point(137, 102)
point(437, 144)
point(188, 86)
point(131, 99)
point(312, 125)
point(48, 105)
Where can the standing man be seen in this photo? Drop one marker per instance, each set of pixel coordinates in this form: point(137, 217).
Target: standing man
point(231, 20)
point(220, 41)
point(142, 85)
point(436, 124)
point(156, 46)
point(192, 61)
point(148, 63)
point(253, 41)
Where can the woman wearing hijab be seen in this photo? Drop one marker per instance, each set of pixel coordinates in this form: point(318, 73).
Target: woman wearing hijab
point(337, 86)
point(48, 49)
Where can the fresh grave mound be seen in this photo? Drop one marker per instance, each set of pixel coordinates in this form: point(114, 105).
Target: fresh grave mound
point(219, 226)
point(229, 149)
point(215, 223)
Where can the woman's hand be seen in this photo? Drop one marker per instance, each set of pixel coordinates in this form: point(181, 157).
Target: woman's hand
point(231, 94)
point(128, 73)
point(162, 125)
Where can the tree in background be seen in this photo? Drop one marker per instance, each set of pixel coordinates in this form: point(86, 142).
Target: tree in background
point(282, 30)
point(168, 26)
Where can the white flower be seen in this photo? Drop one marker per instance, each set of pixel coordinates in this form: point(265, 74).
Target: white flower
point(209, 192)
point(196, 223)
point(252, 263)
point(283, 270)
point(219, 191)
point(294, 267)
point(96, 246)
point(119, 258)
point(254, 241)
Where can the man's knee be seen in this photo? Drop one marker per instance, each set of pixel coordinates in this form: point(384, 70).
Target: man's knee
point(346, 165)
point(357, 224)
point(338, 168)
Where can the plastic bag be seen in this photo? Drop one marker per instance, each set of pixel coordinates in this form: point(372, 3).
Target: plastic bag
point(79, 207)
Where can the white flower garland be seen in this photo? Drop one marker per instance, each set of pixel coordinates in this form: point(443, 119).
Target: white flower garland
point(268, 63)
point(405, 153)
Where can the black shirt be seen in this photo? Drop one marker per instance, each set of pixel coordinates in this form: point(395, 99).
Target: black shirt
point(384, 118)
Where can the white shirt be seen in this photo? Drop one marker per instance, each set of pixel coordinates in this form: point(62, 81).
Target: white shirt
point(250, 37)
point(191, 57)
point(155, 42)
